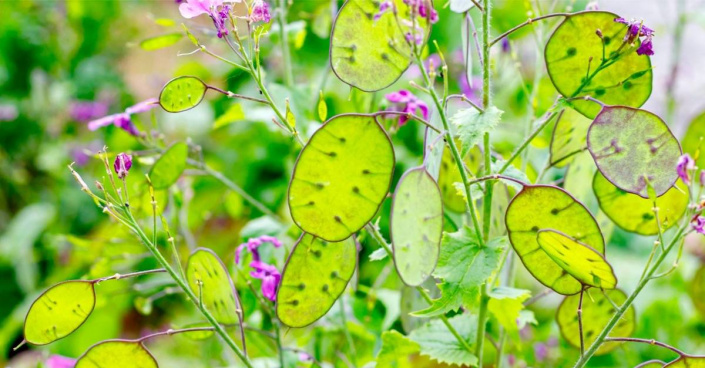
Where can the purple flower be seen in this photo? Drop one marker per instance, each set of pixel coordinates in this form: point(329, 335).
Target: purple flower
point(540, 351)
point(506, 47)
point(58, 361)
point(220, 17)
point(87, 110)
point(636, 29)
point(384, 7)
point(424, 9)
point(685, 165)
point(646, 47)
point(260, 12)
point(122, 165)
point(305, 357)
point(8, 112)
point(473, 93)
point(698, 224)
point(270, 277)
point(511, 359)
point(406, 102)
point(122, 120)
point(702, 178)
point(253, 243)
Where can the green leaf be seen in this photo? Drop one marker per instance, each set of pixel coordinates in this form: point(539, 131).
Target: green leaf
point(464, 266)
point(322, 108)
point(233, 114)
point(341, 177)
point(626, 81)
point(506, 305)
point(395, 347)
point(569, 137)
point(471, 125)
point(169, 167)
point(539, 207)
point(634, 213)
point(697, 290)
point(438, 344)
point(117, 354)
point(182, 93)
point(160, 42)
point(371, 54)
point(687, 361)
point(59, 311)
point(315, 275)
point(578, 259)
point(630, 144)
point(209, 279)
point(597, 311)
point(416, 226)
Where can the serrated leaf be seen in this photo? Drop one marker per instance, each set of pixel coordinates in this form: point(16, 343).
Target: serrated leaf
point(471, 125)
point(395, 347)
point(464, 266)
point(233, 114)
point(506, 305)
point(169, 167)
point(437, 343)
point(160, 42)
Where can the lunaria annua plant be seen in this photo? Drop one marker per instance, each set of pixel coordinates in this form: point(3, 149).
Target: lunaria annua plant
point(456, 219)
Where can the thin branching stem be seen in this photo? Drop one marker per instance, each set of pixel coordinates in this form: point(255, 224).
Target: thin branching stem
point(526, 23)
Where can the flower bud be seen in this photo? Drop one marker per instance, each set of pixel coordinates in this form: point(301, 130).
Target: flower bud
point(122, 165)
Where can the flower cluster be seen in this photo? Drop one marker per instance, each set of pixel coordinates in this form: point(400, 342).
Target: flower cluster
point(635, 30)
point(219, 12)
point(269, 274)
point(421, 8)
point(260, 12)
point(123, 120)
point(405, 101)
point(686, 169)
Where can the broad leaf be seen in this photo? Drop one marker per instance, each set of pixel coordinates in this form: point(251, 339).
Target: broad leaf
point(416, 226)
point(629, 145)
point(575, 47)
point(182, 93)
point(464, 267)
point(117, 354)
point(539, 207)
point(636, 214)
point(437, 343)
point(471, 125)
point(578, 259)
point(395, 347)
point(315, 275)
point(505, 305)
point(371, 54)
point(341, 177)
point(59, 311)
point(597, 311)
point(169, 167)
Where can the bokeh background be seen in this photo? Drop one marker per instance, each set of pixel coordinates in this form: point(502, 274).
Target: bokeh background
point(63, 63)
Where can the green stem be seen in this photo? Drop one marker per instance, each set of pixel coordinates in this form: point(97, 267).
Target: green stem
point(526, 142)
point(187, 290)
point(286, 55)
point(378, 237)
point(351, 343)
point(620, 312)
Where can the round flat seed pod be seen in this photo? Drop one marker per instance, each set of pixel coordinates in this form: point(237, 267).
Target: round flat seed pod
point(597, 311)
point(569, 137)
point(341, 177)
point(697, 290)
point(449, 175)
point(581, 261)
point(416, 226)
point(687, 361)
point(59, 311)
point(315, 275)
point(209, 279)
point(168, 168)
point(182, 93)
point(691, 140)
point(538, 207)
point(651, 364)
point(635, 214)
point(117, 354)
point(630, 144)
point(367, 53)
point(575, 47)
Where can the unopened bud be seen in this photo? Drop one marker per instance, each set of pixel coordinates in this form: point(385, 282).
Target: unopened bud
point(599, 33)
